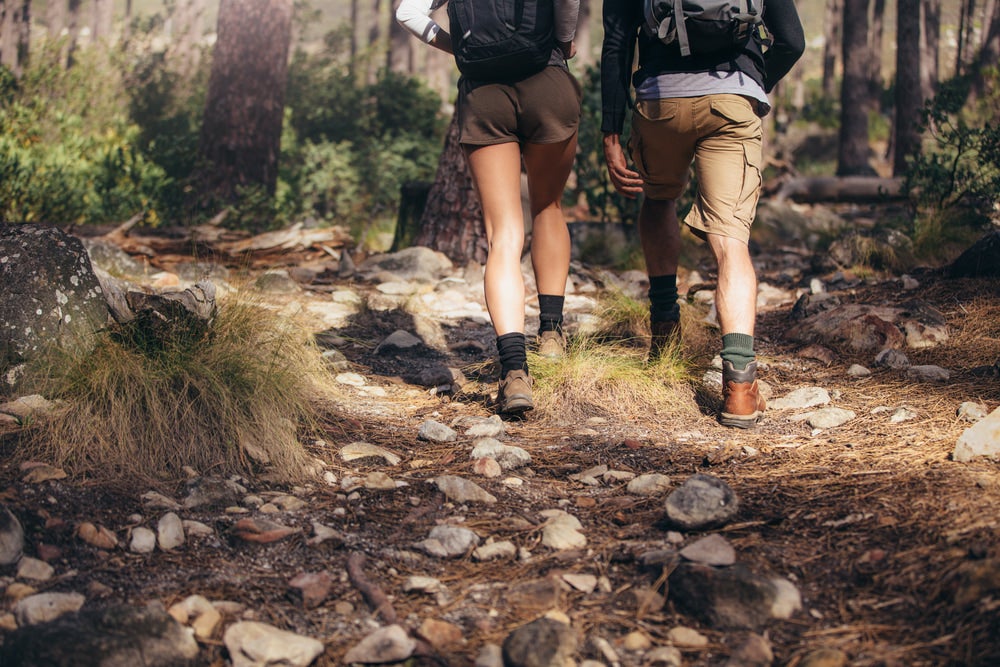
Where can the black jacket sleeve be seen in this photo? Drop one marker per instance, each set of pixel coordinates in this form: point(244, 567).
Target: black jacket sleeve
point(782, 21)
point(621, 23)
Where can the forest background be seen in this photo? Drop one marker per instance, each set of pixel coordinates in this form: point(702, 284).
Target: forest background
point(265, 113)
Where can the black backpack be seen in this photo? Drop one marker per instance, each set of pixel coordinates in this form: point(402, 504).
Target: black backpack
point(501, 40)
point(708, 26)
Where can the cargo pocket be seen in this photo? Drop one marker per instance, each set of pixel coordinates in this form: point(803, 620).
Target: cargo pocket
point(746, 207)
point(735, 109)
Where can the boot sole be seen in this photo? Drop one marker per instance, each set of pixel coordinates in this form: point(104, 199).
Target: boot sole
point(741, 421)
point(516, 405)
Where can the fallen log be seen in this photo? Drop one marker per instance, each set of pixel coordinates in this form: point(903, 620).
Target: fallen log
point(840, 189)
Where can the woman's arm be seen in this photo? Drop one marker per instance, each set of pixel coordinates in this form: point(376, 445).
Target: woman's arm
point(415, 16)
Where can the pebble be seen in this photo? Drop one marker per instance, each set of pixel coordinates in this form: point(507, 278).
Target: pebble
point(388, 644)
point(562, 531)
point(701, 502)
point(143, 540)
point(649, 484)
point(434, 431)
point(710, 550)
point(460, 490)
point(34, 569)
point(45, 607)
point(253, 644)
point(169, 532)
point(11, 537)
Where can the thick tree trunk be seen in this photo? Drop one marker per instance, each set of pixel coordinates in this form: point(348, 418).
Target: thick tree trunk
point(831, 46)
point(241, 128)
point(103, 15)
point(855, 98)
point(909, 100)
point(15, 32)
point(876, 34)
point(989, 55)
point(452, 222)
point(55, 18)
point(930, 45)
point(73, 30)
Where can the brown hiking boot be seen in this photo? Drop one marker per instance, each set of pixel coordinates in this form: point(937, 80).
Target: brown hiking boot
point(514, 394)
point(551, 344)
point(662, 336)
point(742, 404)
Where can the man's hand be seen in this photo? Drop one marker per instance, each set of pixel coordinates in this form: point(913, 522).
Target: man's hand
point(626, 182)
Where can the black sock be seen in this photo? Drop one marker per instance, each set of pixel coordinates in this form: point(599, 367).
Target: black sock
point(513, 353)
point(663, 299)
point(550, 316)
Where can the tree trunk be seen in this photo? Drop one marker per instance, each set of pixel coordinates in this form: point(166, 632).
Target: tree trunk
point(452, 222)
point(876, 34)
point(989, 55)
point(355, 8)
point(852, 157)
point(55, 18)
point(399, 59)
point(831, 46)
point(584, 42)
point(909, 100)
point(184, 54)
point(103, 15)
point(15, 32)
point(73, 29)
point(244, 108)
point(965, 25)
point(930, 47)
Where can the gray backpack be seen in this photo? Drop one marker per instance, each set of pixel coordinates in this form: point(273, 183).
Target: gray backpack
point(705, 26)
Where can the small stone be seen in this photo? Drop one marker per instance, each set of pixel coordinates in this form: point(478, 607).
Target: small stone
point(252, 644)
point(710, 550)
point(664, 655)
point(649, 484)
point(637, 641)
point(495, 551)
point(169, 532)
point(440, 634)
point(687, 637)
point(562, 531)
point(433, 431)
point(312, 587)
point(541, 643)
point(11, 537)
point(824, 657)
point(34, 569)
point(460, 490)
point(97, 536)
point(143, 540)
point(858, 371)
point(585, 583)
point(487, 467)
point(702, 502)
point(388, 644)
point(45, 607)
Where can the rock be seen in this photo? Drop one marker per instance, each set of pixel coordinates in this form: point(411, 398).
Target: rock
point(203, 617)
point(650, 484)
point(508, 456)
point(829, 417)
point(710, 550)
point(824, 657)
point(434, 431)
point(687, 637)
point(928, 373)
point(45, 607)
point(252, 644)
point(495, 551)
point(701, 503)
point(980, 439)
point(461, 490)
point(362, 450)
point(212, 492)
point(449, 541)
point(754, 651)
point(388, 644)
point(276, 281)
point(11, 537)
point(97, 536)
point(664, 655)
point(585, 583)
point(491, 427)
point(34, 569)
point(110, 637)
point(490, 655)
point(440, 634)
point(731, 597)
point(169, 532)
point(892, 358)
point(806, 397)
point(981, 259)
point(51, 294)
point(414, 264)
point(972, 411)
point(312, 587)
point(262, 531)
point(562, 531)
point(541, 643)
point(858, 371)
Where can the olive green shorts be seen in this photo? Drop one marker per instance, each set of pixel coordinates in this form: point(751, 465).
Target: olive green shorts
point(721, 135)
point(542, 109)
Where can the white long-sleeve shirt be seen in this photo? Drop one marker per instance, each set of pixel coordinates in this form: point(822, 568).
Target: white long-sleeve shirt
point(415, 16)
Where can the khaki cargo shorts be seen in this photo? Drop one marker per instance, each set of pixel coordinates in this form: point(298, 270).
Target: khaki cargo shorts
point(542, 109)
point(721, 134)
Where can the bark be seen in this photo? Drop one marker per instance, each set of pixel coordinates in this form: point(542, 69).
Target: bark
point(399, 59)
point(55, 18)
point(989, 54)
point(847, 189)
point(909, 100)
point(355, 8)
point(452, 222)
point(184, 54)
point(855, 98)
point(930, 47)
point(103, 14)
point(965, 22)
point(241, 128)
point(15, 26)
point(73, 29)
point(831, 46)
point(876, 35)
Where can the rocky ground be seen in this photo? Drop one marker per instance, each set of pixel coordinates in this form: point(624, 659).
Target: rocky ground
point(857, 525)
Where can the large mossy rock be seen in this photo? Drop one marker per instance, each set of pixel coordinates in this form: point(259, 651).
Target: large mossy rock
point(49, 293)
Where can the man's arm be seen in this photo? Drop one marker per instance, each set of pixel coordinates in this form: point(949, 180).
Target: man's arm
point(621, 21)
point(782, 21)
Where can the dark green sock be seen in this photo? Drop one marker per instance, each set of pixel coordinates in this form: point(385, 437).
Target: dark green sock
point(663, 299)
point(737, 349)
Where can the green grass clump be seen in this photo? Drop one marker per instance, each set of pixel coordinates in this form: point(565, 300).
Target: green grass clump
point(228, 401)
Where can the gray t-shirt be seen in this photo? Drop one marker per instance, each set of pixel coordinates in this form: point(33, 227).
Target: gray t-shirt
point(696, 84)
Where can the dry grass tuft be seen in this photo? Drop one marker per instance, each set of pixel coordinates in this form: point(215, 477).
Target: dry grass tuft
point(229, 402)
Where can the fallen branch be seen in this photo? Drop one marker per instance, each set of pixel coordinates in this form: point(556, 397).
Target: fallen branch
point(373, 595)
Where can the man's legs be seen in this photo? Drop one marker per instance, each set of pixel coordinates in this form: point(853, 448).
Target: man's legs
point(496, 172)
point(660, 236)
point(548, 166)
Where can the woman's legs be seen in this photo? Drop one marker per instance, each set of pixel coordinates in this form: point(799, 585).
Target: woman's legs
point(496, 172)
point(548, 167)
